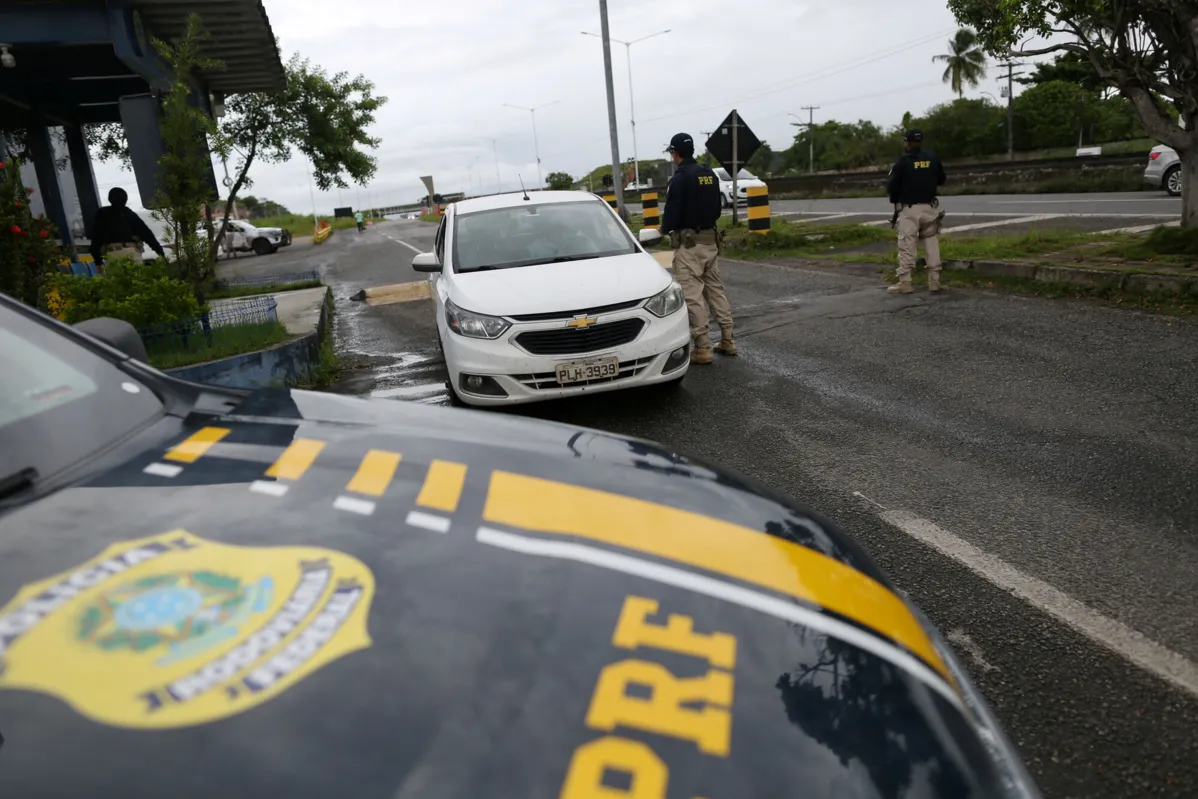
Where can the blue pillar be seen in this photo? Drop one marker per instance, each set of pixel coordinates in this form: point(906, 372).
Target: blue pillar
point(85, 176)
point(42, 150)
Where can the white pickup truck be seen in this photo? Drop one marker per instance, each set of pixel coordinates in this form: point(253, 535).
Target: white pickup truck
point(244, 237)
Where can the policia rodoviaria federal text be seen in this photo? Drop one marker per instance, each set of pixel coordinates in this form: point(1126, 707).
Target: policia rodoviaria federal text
point(914, 181)
point(692, 210)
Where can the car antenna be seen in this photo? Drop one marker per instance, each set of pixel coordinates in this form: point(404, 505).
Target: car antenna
point(526, 197)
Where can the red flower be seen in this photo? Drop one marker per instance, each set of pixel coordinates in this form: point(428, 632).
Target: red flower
point(45, 233)
point(16, 230)
point(29, 189)
point(32, 260)
point(17, 204)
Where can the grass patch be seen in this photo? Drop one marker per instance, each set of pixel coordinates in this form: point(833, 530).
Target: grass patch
point(994, 248)
point(1123, 180)
point(223, 341)
point(434, 219)
point(227, 292)
point(787, 239)
point(1154, 302)
point(1169, 245)
point(301, 225)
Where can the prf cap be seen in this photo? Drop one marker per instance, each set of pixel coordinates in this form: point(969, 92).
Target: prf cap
point(683, 144)
point(913, 136)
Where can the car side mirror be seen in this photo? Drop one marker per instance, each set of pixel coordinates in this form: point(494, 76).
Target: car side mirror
point(426, 262)
point(117, 334)
point(649, 236)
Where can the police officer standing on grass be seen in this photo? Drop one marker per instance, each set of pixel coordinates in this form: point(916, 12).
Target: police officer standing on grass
point(692, 210)
point(914, 181)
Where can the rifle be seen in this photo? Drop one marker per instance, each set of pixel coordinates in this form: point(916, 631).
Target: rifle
point(894, 219)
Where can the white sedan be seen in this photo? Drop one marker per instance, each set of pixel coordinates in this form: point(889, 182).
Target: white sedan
point(549, 295)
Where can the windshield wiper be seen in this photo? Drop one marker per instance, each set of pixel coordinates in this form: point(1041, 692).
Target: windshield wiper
point(17, 483)
point(561, 259)
point(482, 269)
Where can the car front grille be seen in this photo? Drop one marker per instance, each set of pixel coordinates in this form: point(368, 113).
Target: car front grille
point(548, 380)
point(568, 341)
point(549, 317)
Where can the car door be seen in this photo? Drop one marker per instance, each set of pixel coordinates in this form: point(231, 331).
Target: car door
point(438, 288)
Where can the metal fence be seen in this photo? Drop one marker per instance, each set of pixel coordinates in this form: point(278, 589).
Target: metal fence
point(224, 327)
point(281, 279)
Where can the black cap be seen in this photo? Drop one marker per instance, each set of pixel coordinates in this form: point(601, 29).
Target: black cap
point(683, 144)
point(913, 136)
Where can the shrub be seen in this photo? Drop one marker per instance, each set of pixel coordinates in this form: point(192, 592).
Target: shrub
point(141, 293)
point(28, 250)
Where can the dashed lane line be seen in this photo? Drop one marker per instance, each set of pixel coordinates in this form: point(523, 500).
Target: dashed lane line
point(1016, 221)
point(1126, 642)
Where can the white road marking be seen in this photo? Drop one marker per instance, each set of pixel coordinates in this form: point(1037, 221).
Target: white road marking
point(947, 204)
point(163, 470)
point(268, 488)
point(418, 390)
point(1016, 221)
point(362, 507)
point(964, 643)
point(404, 243)
point(821, 218)
point(1139, 228)
point(1130, 644)
point(754, 600)
point(438, 524)
point(1121, 201)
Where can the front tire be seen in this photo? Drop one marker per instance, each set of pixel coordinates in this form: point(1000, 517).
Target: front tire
point(262, 247)
point(1172, 182)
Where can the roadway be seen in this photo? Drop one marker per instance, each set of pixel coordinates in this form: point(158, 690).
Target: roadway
point(1022, 468)
point(1000, 214)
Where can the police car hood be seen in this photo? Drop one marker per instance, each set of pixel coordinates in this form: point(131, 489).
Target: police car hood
point(316, 596)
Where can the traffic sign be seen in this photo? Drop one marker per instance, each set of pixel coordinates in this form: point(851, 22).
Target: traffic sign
point(733, 142)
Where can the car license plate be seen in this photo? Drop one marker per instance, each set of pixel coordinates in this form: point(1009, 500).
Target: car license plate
point(591, 369)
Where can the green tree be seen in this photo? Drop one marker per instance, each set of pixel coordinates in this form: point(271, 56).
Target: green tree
point(1145, 49)
point(966, 63)
point(961, 129)
point(1072, 67)
point(762, 160)
point(1048, 115)
point(186, 166)
point(839, 145)
point(324, 117)
point(559, 181)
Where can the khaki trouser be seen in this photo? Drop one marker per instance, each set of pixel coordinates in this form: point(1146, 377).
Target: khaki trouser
point(917, 222)
point(125, 250)
point(697, 270)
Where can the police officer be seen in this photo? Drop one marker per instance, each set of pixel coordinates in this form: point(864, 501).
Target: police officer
point(692, 210)
point(913, 183)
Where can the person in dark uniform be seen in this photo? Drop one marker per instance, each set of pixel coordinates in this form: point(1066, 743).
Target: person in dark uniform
point(117, 231)
point(692, 210)
point(914, 181)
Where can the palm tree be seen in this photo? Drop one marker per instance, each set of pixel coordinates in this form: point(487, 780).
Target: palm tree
point(966, 61)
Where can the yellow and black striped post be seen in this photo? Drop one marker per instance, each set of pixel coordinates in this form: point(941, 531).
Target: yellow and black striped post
point(611, 200)
point(650, 211)
point(759, 209)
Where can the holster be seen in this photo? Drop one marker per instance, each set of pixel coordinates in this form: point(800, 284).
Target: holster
point(894, 219)
point(688, 238)
point(939, 222)
point(675, 239)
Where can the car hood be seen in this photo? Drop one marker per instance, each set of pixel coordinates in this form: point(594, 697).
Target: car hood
point(560, 287)
point(315, 591)
point(273, 231)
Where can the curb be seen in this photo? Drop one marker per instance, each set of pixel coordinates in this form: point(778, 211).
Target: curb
point(1083, 276)
point(281, 365)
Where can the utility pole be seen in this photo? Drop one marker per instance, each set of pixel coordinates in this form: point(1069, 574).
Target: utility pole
point(611, 111)
point(811, 109)
point(735, 167)
point(1009, 66)
point(535, 143)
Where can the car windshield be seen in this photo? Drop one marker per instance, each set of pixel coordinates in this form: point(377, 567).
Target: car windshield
point(527, 235)
point(59, 401)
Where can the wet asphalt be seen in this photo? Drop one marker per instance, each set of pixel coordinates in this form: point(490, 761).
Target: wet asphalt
point(1058, 436)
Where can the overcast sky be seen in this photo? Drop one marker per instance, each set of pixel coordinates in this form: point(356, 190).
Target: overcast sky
point(448, 68)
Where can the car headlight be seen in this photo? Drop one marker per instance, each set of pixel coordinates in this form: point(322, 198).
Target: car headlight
point(474, 325)
point(667, 302)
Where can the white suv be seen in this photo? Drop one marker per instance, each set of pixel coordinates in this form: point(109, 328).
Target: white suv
point(244, 237)
point(1164, 170)
point(744, 181)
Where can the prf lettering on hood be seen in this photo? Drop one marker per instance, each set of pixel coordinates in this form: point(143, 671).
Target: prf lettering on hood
point(697, 709)
point(176, 630)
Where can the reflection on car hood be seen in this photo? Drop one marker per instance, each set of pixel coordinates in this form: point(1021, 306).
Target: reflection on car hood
point(317, 592)
point(547, 288)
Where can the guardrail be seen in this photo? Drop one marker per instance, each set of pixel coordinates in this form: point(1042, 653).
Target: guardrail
point(224, 323)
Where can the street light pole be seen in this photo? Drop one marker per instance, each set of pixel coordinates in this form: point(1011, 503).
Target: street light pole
point(536, 144)
point(617, 181)
point(631, 101)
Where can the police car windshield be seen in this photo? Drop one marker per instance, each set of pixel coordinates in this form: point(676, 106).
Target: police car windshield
point(530, 235)
point(60, 402)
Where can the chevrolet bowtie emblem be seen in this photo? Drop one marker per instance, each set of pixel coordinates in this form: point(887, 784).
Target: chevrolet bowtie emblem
point(581, 322)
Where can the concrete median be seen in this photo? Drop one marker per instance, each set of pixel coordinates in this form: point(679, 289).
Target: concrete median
point(395, 292)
